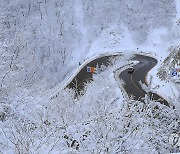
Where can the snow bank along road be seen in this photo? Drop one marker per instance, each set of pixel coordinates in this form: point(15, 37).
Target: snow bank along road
point(131, 86)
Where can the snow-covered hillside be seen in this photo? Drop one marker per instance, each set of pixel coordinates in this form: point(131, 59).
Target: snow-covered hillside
point(43, 42)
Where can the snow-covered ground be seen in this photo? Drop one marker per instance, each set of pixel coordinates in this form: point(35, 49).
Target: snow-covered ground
point(157, 46)
point(41, 45)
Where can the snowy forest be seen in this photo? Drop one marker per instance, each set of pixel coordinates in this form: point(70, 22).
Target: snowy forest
point(43, 42)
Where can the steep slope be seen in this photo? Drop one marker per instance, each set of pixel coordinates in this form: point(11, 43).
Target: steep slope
point(42, 43)
point(45, 40)
point(169, 64)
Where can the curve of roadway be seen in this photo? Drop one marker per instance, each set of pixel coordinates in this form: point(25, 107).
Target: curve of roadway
point(132, 86)
point(80, 80)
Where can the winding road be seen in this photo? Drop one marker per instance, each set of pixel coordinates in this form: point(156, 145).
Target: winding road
point(131, 81)
point(83, 76)
point(132, 86)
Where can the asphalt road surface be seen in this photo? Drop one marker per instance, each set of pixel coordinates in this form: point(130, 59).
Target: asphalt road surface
point(132, 85)
point(78, 83)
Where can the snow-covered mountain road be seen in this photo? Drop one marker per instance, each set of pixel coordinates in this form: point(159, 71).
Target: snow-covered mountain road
point(132, 85)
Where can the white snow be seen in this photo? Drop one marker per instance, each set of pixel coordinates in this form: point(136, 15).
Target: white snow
point(41, 45)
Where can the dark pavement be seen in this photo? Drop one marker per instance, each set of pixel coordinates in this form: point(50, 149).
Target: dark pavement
point(78, 83)
point(132, 85)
